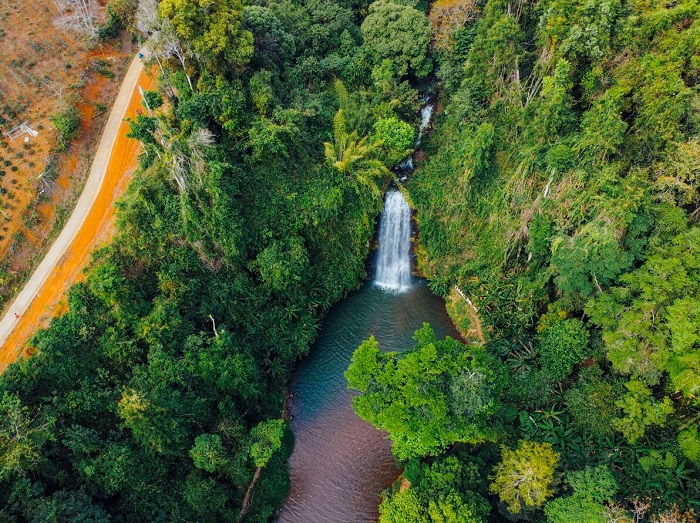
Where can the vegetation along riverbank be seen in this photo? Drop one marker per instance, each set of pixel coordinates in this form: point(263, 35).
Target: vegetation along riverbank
point(557, 204)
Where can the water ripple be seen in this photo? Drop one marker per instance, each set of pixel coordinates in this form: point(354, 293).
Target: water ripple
point(340, 464)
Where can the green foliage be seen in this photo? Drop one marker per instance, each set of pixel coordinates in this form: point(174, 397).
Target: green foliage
point(401, 34)
point(283, 263)
point(208, 452)
point(640, 410)
point(591, 403)
point(352, 155)
point(143, 128)
point(205, 497)
point(124, 11)
point(573, 509)
point(665, 284)
point(436, 394)
point(397, 138)
point(272, 42)
point(214, 33)
point(69, 505)
point(441, 492)
point(402, 506)
point(553, 108)
point(154, 99)
point(593, 483)
point(261, 92)
point(67, 123)
point(525, 476)
point(589, 260)
point(318, 25)
point(22, 435)
point(562, 346)
point(113, 26)
point(266, 440)
point(689, 442)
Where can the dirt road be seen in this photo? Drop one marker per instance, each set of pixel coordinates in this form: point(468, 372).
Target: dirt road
point(89, 224)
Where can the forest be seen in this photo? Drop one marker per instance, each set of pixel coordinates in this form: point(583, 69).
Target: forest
point(557, 189)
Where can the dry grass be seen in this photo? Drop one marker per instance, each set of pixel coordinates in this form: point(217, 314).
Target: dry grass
point(465, 317)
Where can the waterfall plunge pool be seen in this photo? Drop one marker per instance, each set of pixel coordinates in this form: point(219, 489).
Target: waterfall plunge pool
point(340, 464)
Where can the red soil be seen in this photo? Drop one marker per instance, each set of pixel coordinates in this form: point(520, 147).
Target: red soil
point(94, 233)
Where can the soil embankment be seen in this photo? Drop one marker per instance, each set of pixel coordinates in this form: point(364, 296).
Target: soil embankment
point(89, 226)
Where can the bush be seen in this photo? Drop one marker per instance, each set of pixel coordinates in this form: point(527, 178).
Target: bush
point(562, 346)
point(112, 26)
point(67, 123)
point(525, 476)
point(397, 138)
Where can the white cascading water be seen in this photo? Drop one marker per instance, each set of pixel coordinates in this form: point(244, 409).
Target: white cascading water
point(426, 113)
point(394, 258)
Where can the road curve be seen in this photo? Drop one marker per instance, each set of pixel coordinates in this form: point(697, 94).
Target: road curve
point(90, 193)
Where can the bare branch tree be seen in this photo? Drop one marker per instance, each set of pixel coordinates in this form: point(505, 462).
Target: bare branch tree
point(55, 88)
point(150, 24)
point(46, 181)
point(172, 47)
point(147, 19)
point(188, 158)
point(77, 15)
point(198, 143)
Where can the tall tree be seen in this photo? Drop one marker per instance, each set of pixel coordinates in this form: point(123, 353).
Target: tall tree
point(434, 395)
point(525, 476)
point(213, 28)
point(401, 34)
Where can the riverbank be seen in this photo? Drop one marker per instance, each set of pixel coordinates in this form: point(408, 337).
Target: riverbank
point(341, 464)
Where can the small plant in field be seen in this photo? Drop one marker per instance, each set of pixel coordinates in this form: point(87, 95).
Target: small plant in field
point(67, 123)
point(103, 67)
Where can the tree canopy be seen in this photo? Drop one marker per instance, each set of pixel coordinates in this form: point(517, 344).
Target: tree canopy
point(438, 393)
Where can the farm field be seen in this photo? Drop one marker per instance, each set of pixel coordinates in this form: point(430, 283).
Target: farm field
point(48, 69)
point(93, 232)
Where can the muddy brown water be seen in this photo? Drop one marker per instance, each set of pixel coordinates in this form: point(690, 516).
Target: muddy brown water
point(341, 464)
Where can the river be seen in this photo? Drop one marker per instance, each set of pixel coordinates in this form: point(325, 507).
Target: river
point(340, 463)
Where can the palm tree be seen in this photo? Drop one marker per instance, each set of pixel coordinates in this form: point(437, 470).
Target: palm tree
point(352, 155)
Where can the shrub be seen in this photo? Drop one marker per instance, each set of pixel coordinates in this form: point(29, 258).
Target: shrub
point(562, 346)
point(67, 123)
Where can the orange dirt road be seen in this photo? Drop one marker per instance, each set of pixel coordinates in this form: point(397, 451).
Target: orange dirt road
point(95, 230)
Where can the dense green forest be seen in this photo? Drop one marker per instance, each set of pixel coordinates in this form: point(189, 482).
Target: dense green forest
point(159, 395)
point(558, 192)
point(558, 195)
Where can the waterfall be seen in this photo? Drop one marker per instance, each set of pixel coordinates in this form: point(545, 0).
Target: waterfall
point(394, 258)
point(426, 113)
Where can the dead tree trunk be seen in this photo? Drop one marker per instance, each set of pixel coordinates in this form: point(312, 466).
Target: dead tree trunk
point(249, 494)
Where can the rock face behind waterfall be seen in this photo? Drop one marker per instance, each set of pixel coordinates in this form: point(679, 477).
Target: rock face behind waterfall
point(394, 258)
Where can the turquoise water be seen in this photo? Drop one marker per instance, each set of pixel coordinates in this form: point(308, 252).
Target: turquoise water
point(340, 464)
